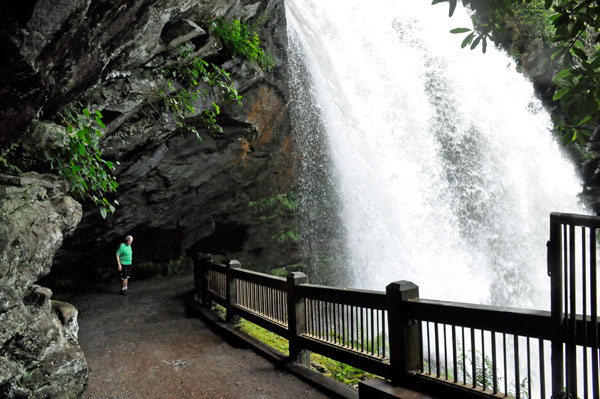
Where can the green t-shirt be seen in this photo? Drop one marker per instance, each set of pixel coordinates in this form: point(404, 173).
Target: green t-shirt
point(125, 253)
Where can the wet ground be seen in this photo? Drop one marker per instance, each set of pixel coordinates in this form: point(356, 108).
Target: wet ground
point(143, 346)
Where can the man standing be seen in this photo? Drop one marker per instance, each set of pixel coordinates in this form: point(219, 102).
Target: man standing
point(124, 257)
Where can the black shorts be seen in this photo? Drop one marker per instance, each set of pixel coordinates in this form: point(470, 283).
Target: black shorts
point(125, 272)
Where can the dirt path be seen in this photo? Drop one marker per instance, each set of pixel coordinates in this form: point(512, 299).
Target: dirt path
point(143, 346)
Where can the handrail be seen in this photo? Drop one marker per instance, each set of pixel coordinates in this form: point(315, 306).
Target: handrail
point(524, 322)
point(428, 343)
point(352, 297)
point(278, 283)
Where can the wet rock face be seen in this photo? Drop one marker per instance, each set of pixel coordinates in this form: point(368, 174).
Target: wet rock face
point(39, 354)
point(178, 195)
point(57, 48)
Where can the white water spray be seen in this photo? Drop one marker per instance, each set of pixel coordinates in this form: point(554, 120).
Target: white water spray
point(444, 164)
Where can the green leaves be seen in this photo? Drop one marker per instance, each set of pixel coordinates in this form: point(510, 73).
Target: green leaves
point(80, 162)
point(6, 154)
point(452, 7)
point(468, 39)
point(194, 75)
point(194, 79)
point(558, 94)
point(460, 30)
point(240, 41)
point(572, 29)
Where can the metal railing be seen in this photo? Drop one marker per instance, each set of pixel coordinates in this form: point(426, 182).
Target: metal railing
point(448, 348)
point(572, 253)
point(493, 350)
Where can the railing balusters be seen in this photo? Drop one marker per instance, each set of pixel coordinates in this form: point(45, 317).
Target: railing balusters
point(505, 365)
point(347, 322)
point(542, 370)
point(326, 309)
point(594, 313)
point(352, 312)
point(565, 268)
point(464, 357)
point(494, 365)
point(383, 317)
point(261, 300)
point(342, 324)
point(473, 358)
point(454, 357)
point(376, 333)
point(316, 317)
point(247, 294)
point(351, 325)
point(362, 330)
point(309, 316)
point(428, 348)
point(445, 352)
point(320, 329)
point(528, 370)
point(437, 349)
point(483, 360)
point(273, 304)
point(372, 328)
point(329, 322)
point(278, 308)
point(517, 371)
point(571, 349)
point(584, 312)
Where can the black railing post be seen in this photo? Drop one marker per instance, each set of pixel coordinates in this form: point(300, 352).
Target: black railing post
point(406, 353)
point(556, 304)
point(231, 290)
point(296, 318)
point(206, 258)
point(197, 259)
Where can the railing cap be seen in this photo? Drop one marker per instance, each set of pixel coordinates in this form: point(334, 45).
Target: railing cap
point(402, 286)
point(297, 277)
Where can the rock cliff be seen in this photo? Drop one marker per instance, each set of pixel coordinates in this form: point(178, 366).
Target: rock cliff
point(39, 356)
point(177, 194)
point(225, 194)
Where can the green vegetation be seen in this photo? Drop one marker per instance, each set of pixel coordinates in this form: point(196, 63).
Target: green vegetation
point(273, 340)
point(575, 56)
point(80, 162)
point(488, 379)
point(195, 76)
point(331, 368)
point(535, 20)
point(191, 82)
point(146, 270)
point(278, 203)
point(287, 237)
point(241, 41)
point(5, 155)
point(74, 155)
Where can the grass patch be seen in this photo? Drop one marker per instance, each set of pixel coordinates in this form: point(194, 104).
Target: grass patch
point(332, 368)
point(273, 340)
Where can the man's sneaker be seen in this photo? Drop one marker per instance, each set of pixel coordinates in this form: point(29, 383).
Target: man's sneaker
point(123, 292)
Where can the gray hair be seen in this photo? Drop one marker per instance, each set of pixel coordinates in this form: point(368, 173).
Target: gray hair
point(128, 237)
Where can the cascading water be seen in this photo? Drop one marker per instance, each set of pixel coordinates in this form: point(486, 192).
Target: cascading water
point(441, 159)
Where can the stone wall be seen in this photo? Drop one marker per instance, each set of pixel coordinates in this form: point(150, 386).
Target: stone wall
point(39, 353)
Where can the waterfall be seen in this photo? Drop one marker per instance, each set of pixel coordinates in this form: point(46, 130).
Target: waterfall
point(440, 160)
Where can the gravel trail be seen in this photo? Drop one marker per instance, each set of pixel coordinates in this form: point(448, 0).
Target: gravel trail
point(143, 346)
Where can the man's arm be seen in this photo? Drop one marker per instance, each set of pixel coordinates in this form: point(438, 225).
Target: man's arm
point(119, 262)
